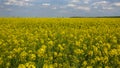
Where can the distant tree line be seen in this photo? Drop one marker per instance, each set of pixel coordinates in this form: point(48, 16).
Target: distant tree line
point(95, 17)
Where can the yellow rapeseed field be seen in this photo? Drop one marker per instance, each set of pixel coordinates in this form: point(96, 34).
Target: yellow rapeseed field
point(59, 42)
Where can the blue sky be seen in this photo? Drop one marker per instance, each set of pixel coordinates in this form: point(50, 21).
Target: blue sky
point(59, 8)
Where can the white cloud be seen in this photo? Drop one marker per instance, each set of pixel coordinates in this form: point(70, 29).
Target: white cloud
point(46, 4)
point(117, 4)
point(75, 1)
point(71, 5)
point(28, 0)
point(78, 6)
point(107, 8)
point(19, 2)
point(83, 8)
point(80, 1)
point(100, 3)
point(104, 5)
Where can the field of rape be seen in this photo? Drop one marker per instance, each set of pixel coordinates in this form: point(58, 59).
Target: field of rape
point(59, 42)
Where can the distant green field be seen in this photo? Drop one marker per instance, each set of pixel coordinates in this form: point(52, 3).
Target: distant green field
point(59, 42)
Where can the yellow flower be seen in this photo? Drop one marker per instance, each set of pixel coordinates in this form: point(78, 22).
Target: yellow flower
point(105, 50)
point(92, 61)
point(51, 66)
point(51, 58)
point(10, 56)
point(60, 54)
point(63, 32)
point(85, 63)
point(108, 45)
point(113, 52)
point(77, 43)
point(90, 53)
point(95, 48)
point(16, 42)
point(45, 66)
point(8, 64)
point(60, 46)
point(23, 54)
point(42, 41)
point(107, 67)
point(17, 50)
point(30, 65)
point(48, 66)
point(97, 58)
point(114, 40)
point(32, 56)
point(84, 47)
point(71, 35)
point(55, 54)
point(41, 51)
point(21, 66)
point(55, 65)
point(50, 42)
point(78, 51)
point(106, 59)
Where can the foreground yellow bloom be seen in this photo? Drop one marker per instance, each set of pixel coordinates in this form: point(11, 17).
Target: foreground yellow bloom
point(21, 66)
point(41, 51)
point(48, 66)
